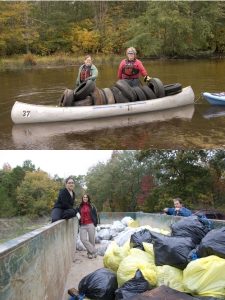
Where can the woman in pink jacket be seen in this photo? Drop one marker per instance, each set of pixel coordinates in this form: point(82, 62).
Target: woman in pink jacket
point(132, 68)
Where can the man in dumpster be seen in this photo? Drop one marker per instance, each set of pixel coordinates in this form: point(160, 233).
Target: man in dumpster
point(178, 209)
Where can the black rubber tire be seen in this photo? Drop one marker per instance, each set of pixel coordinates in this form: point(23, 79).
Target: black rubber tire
point(97, 97)
point(140, 93)
point(103, 97)
point(172, 89)
point(68, 98)
point(109, 95)
point(85, 102)
point(157, 86)
point(126, 89)
point(118, 95)
point(84, 90)
point(148, 92)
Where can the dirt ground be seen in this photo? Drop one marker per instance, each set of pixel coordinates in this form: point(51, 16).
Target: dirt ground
point(81, 267)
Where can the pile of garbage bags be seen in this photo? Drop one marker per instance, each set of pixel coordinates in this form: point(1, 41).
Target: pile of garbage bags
point(190, 258)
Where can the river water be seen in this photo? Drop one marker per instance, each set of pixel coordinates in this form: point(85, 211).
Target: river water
point(195, 126)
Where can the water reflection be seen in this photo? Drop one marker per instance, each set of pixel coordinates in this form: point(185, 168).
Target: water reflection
point(214, 112)
point(28, 134)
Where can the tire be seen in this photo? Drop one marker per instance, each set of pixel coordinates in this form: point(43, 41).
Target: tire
point(172, 89)
point(109, 95)
point(85, 102)
point(157, 86)
point(148, 92)
point(118, 95)
point(97, 97)
point(126, 89)
point(103, 97)
point(84, 90)
point(68, 98)
point(140, 93)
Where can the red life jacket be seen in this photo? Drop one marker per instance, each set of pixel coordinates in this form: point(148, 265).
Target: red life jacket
point(129, 68)
point(85, 73)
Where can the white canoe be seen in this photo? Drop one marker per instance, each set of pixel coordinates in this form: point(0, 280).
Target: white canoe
point(31, 113)
point(25, 135)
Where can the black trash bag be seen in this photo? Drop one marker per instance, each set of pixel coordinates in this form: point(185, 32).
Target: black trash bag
point(134, 286)
point(213, 244)
point(100, 284)
point(171, 250)
point(190, 227)
point(139, 237)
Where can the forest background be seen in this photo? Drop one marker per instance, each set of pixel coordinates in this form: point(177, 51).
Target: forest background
point(73, 28)
point(129, 181)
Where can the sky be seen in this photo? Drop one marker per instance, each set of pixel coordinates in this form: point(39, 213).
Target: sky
point(56, 162)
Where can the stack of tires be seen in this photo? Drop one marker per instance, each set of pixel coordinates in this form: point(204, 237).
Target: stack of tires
point(88, 94)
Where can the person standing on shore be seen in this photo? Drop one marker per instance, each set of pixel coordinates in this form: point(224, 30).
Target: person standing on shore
point(88, 222)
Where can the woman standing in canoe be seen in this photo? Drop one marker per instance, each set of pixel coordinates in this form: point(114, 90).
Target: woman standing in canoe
point(131, 68)
point(87, 71)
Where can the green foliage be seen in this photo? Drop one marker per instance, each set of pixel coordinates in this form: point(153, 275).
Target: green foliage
point(155, 28)
point(36, 194)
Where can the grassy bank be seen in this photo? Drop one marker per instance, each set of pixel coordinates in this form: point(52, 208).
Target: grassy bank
point(11, 228)
point(53, 61)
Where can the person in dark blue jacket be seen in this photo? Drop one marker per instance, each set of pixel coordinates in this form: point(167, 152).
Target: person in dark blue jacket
point(64, 205)
point(178, 209)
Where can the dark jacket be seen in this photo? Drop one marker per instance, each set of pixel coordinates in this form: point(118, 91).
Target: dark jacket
point(65, 201)
point(94, 214)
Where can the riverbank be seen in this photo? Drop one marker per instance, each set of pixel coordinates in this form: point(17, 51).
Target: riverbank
point(61, 60)
point(30, 61)
point(11, 228)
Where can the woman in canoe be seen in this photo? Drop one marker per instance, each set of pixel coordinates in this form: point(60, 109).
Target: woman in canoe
point(64, 205)
point(132, 68)
point(87, 71)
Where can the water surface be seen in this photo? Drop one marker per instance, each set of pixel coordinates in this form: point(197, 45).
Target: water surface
point(198, 126)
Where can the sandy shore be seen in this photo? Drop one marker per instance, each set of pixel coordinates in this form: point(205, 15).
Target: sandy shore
point(81, 267)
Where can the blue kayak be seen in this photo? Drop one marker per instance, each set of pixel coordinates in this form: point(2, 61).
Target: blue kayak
point(215, 98)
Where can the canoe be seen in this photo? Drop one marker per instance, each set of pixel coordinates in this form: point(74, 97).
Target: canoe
point(215, 98)
point(31, 113)
point(25, 135)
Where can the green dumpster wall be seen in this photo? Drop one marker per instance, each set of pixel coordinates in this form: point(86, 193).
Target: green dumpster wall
point(36, 265)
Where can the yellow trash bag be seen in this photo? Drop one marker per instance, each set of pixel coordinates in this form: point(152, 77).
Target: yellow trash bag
point(137, 259)
point(115, 254)
point(133, 223)
point(149, 249)
point(205, 277)
point(171, 277)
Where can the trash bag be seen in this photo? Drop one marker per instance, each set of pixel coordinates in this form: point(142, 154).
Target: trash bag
point(149, 249)
point(137, 260)
point(171, 277)
point(205, 277)
point(126, 220)
point(100, 284)
point(124, 236)
point(190, 227)
point(139, 237)
point(213, 243)
point(172, 251)
point(136, 285)
point(114, 255)
point(118, 226)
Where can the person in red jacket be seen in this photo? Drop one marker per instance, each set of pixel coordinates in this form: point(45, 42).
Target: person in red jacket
point(88, 222)
point(131, 68)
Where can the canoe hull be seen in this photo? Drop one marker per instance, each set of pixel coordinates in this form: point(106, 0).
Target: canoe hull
point(215, 98)
point(30, 113)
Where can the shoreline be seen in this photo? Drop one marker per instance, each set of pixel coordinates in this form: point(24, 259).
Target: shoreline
point(33, 62)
